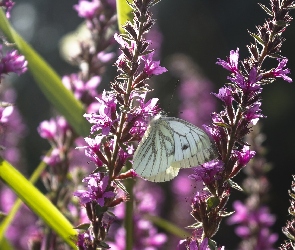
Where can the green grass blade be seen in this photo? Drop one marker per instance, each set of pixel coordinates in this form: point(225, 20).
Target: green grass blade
point(123, 12)
point(168, 226)
point(4, 244)
point(48, 81)
point(37, 202)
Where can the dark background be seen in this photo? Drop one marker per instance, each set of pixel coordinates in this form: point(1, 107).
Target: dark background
point(203, 29)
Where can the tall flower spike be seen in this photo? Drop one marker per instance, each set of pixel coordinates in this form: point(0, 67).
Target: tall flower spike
point(241, 110)
point(122, 115)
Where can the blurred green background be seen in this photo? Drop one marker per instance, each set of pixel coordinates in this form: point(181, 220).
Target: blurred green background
point(202, 29)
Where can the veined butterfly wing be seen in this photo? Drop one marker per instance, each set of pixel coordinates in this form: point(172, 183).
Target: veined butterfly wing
point(170, 144)
point(192, 145)
point(155, 152)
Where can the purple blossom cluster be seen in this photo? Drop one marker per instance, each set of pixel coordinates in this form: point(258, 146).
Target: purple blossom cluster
point(252, 217)
point(24, 220)
point(7, 5)
point(289, 228)
point(12, 129)
point(66, 159)
point(12, 62)
point(256, 220)
point(241, 100)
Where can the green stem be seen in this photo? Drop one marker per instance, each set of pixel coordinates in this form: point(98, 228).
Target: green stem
point(129, 215)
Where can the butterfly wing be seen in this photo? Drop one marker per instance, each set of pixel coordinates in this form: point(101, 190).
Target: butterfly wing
point(155, 152)
point(167, 175)
point(192, 145)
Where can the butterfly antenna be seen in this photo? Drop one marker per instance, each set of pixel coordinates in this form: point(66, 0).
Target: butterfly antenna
point(172, 95)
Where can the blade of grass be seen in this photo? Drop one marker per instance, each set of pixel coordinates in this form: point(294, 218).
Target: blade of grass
point(168, 226)
point(123, 13)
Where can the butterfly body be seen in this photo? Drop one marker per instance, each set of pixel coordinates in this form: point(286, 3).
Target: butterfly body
point(170, 144)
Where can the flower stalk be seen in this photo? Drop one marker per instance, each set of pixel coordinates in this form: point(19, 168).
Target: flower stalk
point(121, 119)
point(241, 101)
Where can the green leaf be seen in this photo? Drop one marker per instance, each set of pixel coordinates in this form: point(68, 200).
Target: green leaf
point(168, 226)
point(4, 244)
point(100, 210)
point(195, 225)
point(267, 10)
point(257, 38)
point(212, 202)
point(212, 244)
point(37, 202)
point(124, 13)
point(48, 81)
point(83, 226)
point(235, 185)
point(225, 214)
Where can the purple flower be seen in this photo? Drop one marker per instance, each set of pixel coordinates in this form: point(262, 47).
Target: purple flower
point(142, 110)
point(208, 172)
point(141, 114)
point(7, 4)
point(105, 57)
point(87, 9)
point(48, 129)
point(247, 84)
point(5, 113)
point(225, 95)
point(232, 62)
point(152, 67)
point(215, 131)
point(80, 88)
point(12, 62)
point(254, 113)
point(84, 239)
point(54, 158)
point(96, 190)
point(244, 156)
point(93, 150)
point(107, 114)
point(248, 220)
point(279, 71)
point(194, 244)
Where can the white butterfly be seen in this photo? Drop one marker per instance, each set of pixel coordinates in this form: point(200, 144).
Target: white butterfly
point(169, 144)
